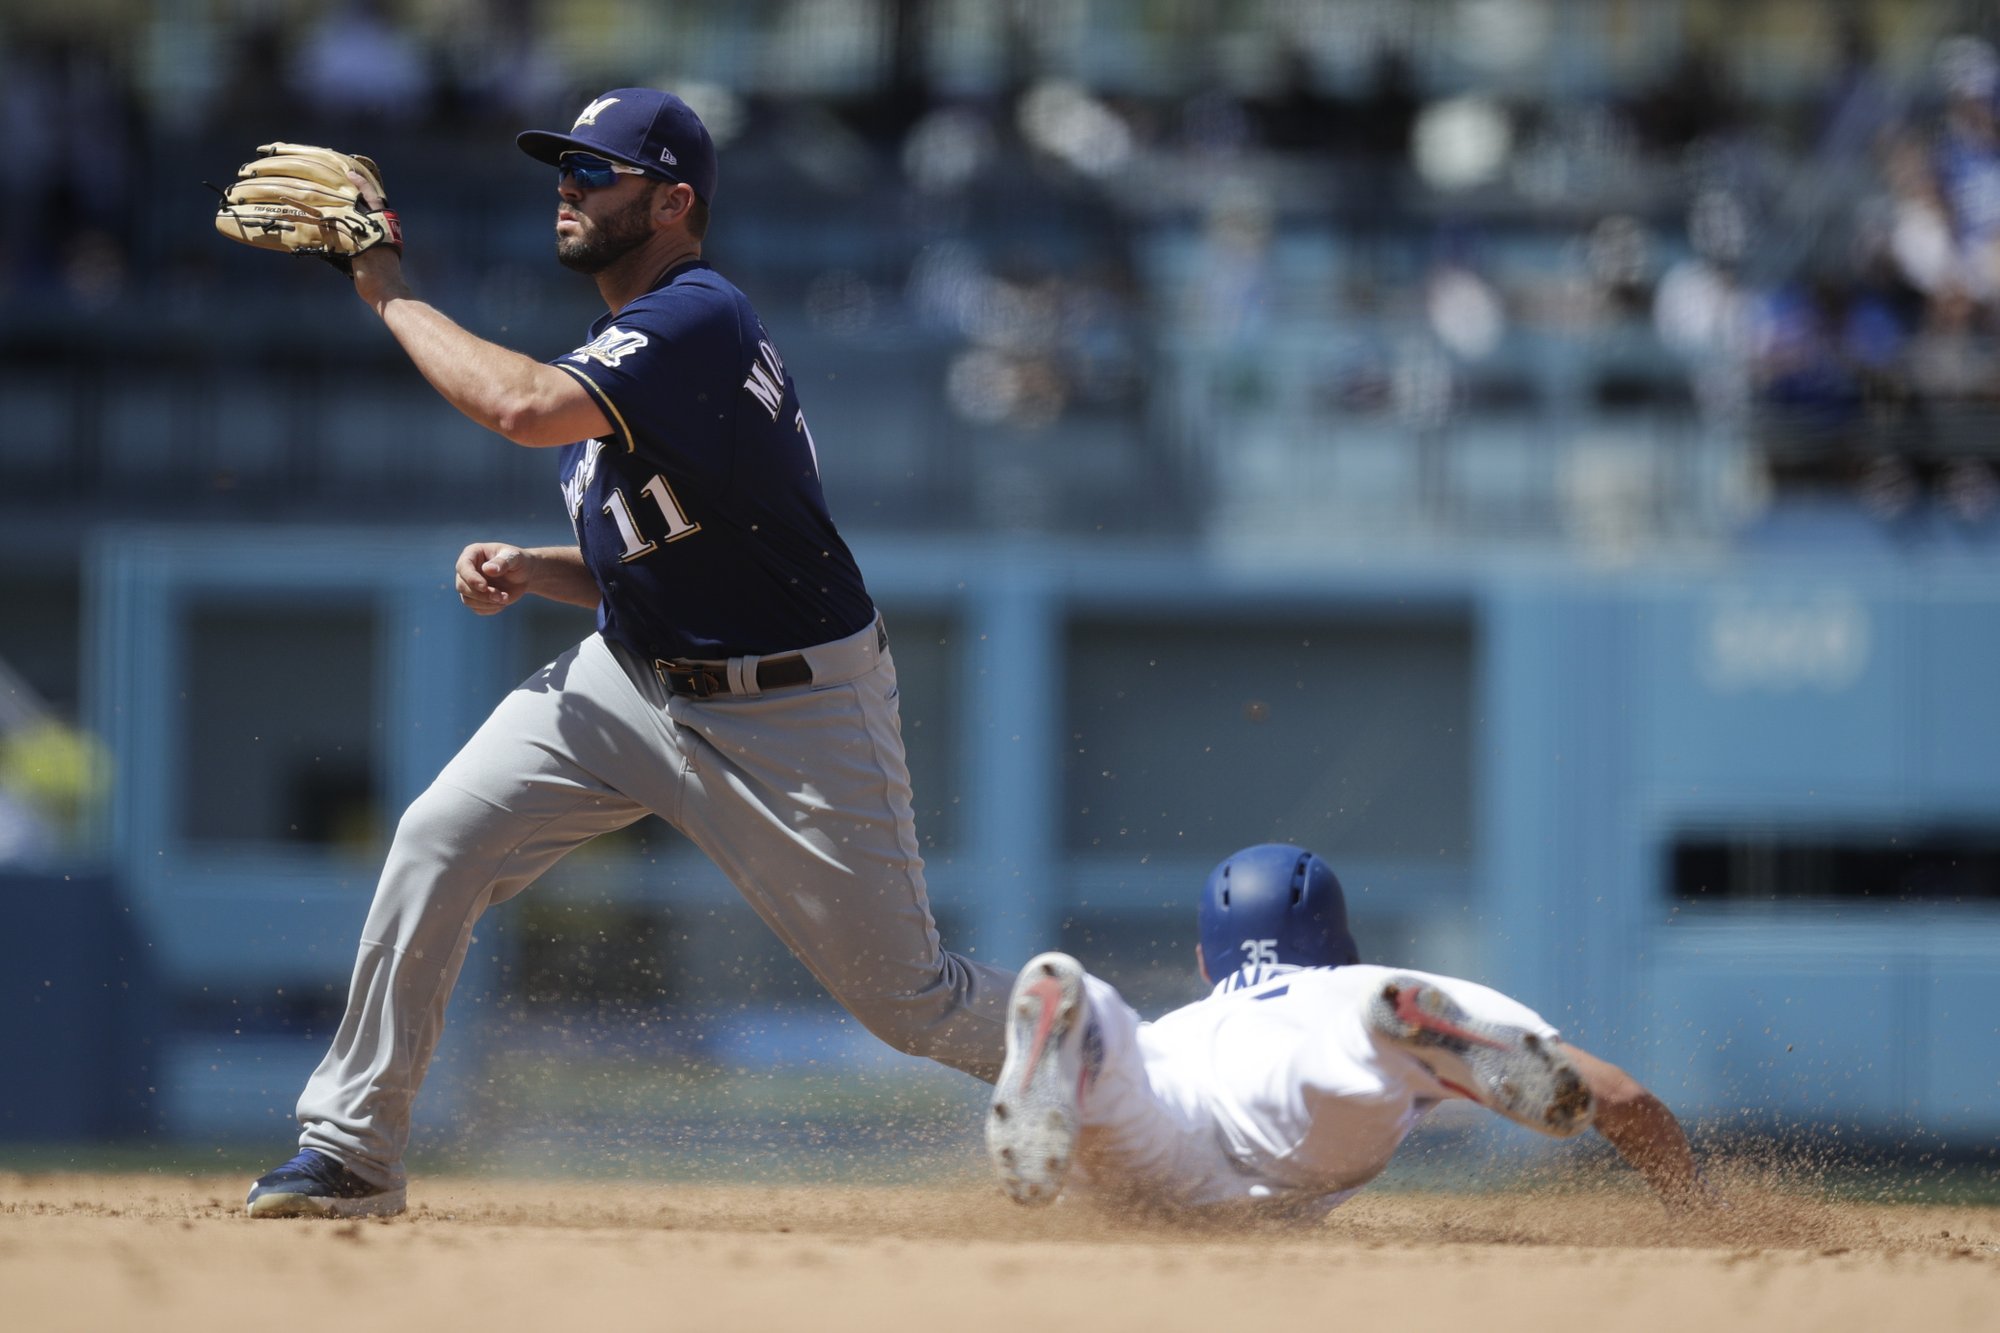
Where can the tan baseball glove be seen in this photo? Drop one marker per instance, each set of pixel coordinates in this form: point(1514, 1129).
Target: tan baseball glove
point(308, 201)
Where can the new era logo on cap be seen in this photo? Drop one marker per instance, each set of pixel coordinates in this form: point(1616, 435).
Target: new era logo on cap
point(641, 127)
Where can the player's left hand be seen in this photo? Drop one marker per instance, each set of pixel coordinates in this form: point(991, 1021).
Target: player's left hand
point(307, 200)
point(491, 576)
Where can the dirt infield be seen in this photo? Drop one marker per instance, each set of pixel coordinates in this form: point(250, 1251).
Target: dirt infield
point(167, 1253)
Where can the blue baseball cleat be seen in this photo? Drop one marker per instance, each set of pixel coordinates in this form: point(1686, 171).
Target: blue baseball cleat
point(315, 1185)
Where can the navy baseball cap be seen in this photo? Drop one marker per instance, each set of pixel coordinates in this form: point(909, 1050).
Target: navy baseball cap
point(641, 127)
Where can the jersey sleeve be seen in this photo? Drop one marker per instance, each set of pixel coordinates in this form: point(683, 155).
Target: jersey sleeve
point(662, 370)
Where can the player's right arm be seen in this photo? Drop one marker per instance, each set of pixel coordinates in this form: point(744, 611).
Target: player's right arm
point(493, 576)
point(1645, 1133)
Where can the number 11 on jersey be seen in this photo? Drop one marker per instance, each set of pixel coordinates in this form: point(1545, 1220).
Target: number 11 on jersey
point(662, 496)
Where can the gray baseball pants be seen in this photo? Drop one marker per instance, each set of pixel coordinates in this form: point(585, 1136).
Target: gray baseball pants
point(801, 796)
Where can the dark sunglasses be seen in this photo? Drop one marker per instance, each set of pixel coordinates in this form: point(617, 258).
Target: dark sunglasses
point(592, 172)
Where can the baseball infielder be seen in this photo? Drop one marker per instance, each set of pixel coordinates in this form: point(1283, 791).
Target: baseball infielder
point(1292, 1084)
point(739, 683)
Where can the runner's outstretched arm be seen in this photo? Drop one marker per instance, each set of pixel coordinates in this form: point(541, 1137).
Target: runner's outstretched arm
point(1645, 1133)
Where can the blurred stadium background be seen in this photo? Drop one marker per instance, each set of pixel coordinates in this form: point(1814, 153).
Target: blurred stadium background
point(1539, 453)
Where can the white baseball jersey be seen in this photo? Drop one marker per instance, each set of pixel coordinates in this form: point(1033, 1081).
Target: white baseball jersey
point(1273, 1092)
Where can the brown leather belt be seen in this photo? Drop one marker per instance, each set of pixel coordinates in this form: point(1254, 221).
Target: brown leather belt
point(701, 680)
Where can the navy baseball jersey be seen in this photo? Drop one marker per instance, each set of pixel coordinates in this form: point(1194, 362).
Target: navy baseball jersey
point(701, 515)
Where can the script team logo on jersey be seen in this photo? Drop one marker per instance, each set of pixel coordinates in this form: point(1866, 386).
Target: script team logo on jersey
point(578, 485)
point(610, 347)
point(594, 110)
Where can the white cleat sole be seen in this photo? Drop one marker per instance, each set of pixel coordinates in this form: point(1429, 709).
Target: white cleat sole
point(1504, 1068)
point(294, 1204)
point(1036, 1113)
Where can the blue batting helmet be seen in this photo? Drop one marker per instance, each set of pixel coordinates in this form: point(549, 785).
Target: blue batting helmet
point(1274, 903)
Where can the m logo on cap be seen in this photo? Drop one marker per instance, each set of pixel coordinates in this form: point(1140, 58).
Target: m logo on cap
point(593, 111)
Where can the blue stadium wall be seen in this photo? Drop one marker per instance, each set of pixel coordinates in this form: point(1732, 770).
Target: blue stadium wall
point(1540, 740)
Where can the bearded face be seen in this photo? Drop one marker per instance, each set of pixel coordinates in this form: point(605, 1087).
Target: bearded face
point(599, 243)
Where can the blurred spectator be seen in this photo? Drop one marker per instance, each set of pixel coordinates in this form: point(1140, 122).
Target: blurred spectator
point(1702, 309)
point(1298, 116)
point(1695, 100)
point(94, 270)
point(1833, 355)
point(1381, 142)
point(1230, 298)
point(1950, 360)
point(255, 98)
point(1215, 125)
point(1969, 490)
point(1967, 161)
point(1619, 255)
point(948, 149)
point(1859, 102)
point(1919, 236)
point(1813, 419)
point(885, 113)
point(1037, 340)
point(1800, 354)
point(62, 105)
point(497, 62)
point(1465, 311)
point(1068, 123)
point(1387, 113)
point(355, 64)
point(29, 119)
point(1301, 115)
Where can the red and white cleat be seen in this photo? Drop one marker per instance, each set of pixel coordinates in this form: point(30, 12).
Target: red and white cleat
point(1052, 1053)
point(1504, 1068)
